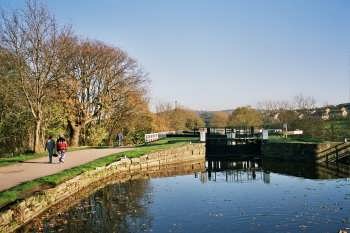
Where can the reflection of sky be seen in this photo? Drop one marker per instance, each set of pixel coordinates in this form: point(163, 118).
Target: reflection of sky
point(187, 204)
point(287, 203)
point(273, 49)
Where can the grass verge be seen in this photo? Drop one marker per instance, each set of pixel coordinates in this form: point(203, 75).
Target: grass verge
point(27, 188)
point(294, 139)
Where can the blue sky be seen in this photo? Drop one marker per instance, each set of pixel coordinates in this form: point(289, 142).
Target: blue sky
point(222, 54)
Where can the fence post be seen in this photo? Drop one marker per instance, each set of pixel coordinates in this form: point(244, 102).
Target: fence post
point(336, 153)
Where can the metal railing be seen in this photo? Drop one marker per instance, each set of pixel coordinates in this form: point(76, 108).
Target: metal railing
point(152, 137)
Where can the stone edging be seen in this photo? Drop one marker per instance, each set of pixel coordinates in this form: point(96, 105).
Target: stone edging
point(22, 212)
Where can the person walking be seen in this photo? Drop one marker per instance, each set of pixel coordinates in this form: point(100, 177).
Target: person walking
point(50, 147)
point(120, 139)
point(61, 148)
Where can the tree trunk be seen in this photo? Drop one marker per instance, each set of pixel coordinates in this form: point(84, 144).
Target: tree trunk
point(111, 136)
point(75, 134)
point(37, 145)
point(110, 140)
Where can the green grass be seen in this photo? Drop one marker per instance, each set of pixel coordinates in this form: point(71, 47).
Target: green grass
point(294, 139)
point(27, 188)
point(20, 158)
point(340, 128)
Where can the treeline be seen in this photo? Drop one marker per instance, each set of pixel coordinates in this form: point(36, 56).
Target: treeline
point(176, 118)
point(240, 117)
point(298, 113)
point(53, 82)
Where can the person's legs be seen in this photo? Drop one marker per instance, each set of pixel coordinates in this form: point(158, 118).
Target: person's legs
point(59, 153)
point(50, 156)
point(62, 155)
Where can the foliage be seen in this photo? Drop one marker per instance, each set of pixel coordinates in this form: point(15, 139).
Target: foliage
point(178, 118)
point(219, 119)
point(136, 137)
point(33, 39)
point(206, 116)
point(288, 117)
point(16, 121)
point(245, 117)
point(55, 122)
point(336, 130)
point(55, 83)
point(96, 135)
point(135, 120)
point(311, 127)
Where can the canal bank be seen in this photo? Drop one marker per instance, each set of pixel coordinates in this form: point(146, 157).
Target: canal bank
point(305, 152)
point(248, 144)
point(123, 178)
point(23, 211)
point(238, 198)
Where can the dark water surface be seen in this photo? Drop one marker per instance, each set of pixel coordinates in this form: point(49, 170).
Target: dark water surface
point(231, 197)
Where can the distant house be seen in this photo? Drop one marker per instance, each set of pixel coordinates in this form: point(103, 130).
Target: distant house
point(325, 113)
point(340, 111)
point(344, 112)
point(330, 112)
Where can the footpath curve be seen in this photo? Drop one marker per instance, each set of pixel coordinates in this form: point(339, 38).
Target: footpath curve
point(16, 174)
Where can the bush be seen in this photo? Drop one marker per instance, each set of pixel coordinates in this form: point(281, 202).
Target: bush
point(96, 135)
point(136, 137)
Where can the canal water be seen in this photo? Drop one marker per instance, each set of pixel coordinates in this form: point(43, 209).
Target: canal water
point(227, 196)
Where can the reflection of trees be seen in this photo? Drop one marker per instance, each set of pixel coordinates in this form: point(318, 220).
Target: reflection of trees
point(115, 208)
point(239, 171)
point(308, 170)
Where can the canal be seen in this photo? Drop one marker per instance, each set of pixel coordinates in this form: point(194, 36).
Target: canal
point(227, 196)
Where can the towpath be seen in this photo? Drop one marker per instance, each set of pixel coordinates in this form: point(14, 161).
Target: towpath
point(13, 175)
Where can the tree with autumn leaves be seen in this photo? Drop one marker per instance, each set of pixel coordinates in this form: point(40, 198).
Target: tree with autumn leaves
point(245, 117)
point(53, 82)
point(176, 118)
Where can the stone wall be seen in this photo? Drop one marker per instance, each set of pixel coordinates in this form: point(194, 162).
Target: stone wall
point(22, 212)
point(181, 168)
point(303, 152)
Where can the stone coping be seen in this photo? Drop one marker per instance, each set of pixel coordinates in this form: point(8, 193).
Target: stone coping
point(21, 213)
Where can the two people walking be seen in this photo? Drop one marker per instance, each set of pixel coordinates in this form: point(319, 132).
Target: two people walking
point(60, 146)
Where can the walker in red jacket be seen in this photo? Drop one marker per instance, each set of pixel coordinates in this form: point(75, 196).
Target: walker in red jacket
point(62, 147)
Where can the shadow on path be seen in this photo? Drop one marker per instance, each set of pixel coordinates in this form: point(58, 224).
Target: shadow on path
point(34, 162)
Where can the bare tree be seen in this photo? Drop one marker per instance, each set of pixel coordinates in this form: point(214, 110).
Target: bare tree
point(275, 106)
point(99, 78)
point(304, 102)
point(32, 36)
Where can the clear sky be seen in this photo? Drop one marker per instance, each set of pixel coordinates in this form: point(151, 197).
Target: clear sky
point(222, 54)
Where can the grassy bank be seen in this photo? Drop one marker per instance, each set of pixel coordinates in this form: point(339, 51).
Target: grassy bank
point(27, 188)
point(294, 139)
point(338, 129)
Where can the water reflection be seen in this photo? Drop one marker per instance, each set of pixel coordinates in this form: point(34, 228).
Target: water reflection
point(251, 170)
point(118, 205)
point(225, 196)
point(115, 208)
point(236, 171)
